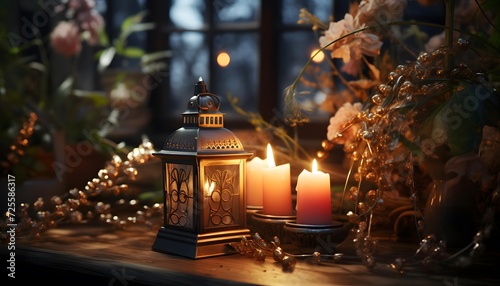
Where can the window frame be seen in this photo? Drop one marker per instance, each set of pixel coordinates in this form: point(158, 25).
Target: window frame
point(269, 29)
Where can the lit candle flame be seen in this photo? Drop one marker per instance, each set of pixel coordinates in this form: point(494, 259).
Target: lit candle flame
point(314, 166)
point(270, 157)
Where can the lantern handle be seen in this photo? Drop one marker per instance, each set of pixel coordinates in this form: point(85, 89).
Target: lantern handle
point(213, 96)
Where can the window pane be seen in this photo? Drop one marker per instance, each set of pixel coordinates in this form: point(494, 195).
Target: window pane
point(188, 14)
point(320, 8)
point(121, 10)
point(101, 6)
point(189, 61)
point(231, 11)
point(240, 77)
point(303, 43)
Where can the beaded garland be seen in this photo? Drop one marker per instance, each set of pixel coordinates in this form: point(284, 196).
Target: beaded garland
point(79, 206)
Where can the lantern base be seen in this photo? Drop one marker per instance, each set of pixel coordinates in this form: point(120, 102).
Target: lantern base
point(196, 246)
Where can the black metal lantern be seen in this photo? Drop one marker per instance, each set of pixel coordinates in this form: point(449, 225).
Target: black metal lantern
point(204, 183)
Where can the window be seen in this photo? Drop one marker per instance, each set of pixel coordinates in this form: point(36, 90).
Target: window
point(199, 33)
point(265, 47)
point(249, 49)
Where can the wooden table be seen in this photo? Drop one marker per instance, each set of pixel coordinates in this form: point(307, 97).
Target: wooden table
point(99, 255)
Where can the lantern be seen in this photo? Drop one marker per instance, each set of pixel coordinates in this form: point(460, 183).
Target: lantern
point(203, 167)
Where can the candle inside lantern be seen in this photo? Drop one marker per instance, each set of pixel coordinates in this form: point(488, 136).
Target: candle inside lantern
point(313, 197)
point(276, 187)
point(254, 182)
point(209, 188)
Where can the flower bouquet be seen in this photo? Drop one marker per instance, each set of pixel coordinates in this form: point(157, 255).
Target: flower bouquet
point(407, 125)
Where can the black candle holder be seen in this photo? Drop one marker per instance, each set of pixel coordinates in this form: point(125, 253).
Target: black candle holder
point(269, 226)
point(309, 238)
point(251, 210)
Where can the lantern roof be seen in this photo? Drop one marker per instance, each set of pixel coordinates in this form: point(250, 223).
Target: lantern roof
point(203, 130)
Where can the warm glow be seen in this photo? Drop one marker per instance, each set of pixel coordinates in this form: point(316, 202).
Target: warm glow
point(318, 57)
point(209, 188)
point(270, 157)
point(223, 59)
point(315, 166)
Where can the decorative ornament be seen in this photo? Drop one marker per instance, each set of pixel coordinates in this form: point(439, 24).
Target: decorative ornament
point(78, 207)
point(17, 149)
point(261, 249)
point(399, 130)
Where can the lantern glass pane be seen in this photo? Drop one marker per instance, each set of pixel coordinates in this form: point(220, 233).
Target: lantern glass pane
point(222, 194)
point(179, 197)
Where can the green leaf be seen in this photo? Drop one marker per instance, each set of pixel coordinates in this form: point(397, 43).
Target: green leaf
point(132, 52)
point(121, 40)
point(458, 123)
point(152, 57)
point(97, 98)
point(141, 27)
point(105, 58)
point(103, 37)
point(131, 20)
point(66, 86)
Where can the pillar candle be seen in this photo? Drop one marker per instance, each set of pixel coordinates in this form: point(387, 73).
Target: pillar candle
point(276, 187)
point(313, 197)
point(254, 181)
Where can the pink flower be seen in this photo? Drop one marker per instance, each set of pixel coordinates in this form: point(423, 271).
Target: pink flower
point(353, 67)
point(379, 12)
point(91, 23)
point(81, 4)
point(65, 38)
point(435, 42)
point(338, 122)
point(353, 46)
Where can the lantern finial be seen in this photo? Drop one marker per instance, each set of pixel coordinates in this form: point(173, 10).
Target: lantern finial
point(200, 87)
